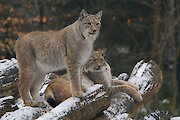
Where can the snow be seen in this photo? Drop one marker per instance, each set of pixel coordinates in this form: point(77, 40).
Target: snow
point(123, 76)
point(123, 116)
point(8, 71)
point(7, 64)
point(65, 107)
point(157, 115)
point(117, 107)
point(25, 113)
point(165, 101)
point(61, 110)
point(20, 103)
point(44, 84)
point(94, 88)
point(149, 118)
point(3, 99)
point(175, 118)
point(141, 76)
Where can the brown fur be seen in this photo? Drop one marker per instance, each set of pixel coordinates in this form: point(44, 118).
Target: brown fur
point(95, 71)
point(41, 52)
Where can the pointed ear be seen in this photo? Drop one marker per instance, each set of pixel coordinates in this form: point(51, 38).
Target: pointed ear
point(99, 15)
point(103, 51)
point(83, 14)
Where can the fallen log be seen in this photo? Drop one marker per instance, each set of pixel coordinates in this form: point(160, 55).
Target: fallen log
point(24, 113)
point(157, 115)
point(148, 77)
point(94, 102)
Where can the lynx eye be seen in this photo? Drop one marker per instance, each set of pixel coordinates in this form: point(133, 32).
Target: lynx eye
point(94, 60)
point(97, 24)
point(102, 59)
point(89, 23)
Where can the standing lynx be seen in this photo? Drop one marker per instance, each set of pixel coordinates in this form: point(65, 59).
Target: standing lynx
point(41, 52)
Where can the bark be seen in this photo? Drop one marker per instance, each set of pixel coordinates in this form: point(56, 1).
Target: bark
point(80, 109)
point(157, 115)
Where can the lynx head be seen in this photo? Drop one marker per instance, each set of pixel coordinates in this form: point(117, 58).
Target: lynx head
point(90, 24)
point(96, 62)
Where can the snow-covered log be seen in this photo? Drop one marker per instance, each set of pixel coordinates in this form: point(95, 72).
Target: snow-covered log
point(94, 102)
point(24, 113)
point(8, 85)
point(8, 71)
point(8, 78)
point(157, 115)
point(6, 104)
point(148, 77)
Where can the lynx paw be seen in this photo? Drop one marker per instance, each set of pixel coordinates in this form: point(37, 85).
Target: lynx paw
point(42, 104)
point(35, 104)
point(79, 94)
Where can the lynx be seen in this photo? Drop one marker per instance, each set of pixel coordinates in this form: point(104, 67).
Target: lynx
point(39, 53)
point(95, 71)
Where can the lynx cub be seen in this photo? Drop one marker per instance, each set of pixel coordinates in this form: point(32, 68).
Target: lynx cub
point(39, 53)
point(96, 70)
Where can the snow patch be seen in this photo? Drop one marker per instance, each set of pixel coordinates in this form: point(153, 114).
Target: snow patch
point(7, 64)
point(149, 118)
point(165, 101)
point(175, 118)
point(123, 116)
point(44, 84)
point(141, 76)
point(94, 88)
point(61, 110)
point(123, 76)
point(20, 103)
point(25, 113)
point(70, 104)
point(3, 99)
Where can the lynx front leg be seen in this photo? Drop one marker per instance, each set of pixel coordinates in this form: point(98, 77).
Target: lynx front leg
point(74, 76)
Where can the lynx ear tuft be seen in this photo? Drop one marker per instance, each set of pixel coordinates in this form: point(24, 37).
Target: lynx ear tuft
point(103, 51)
point(83, 14)
point(99, 15)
